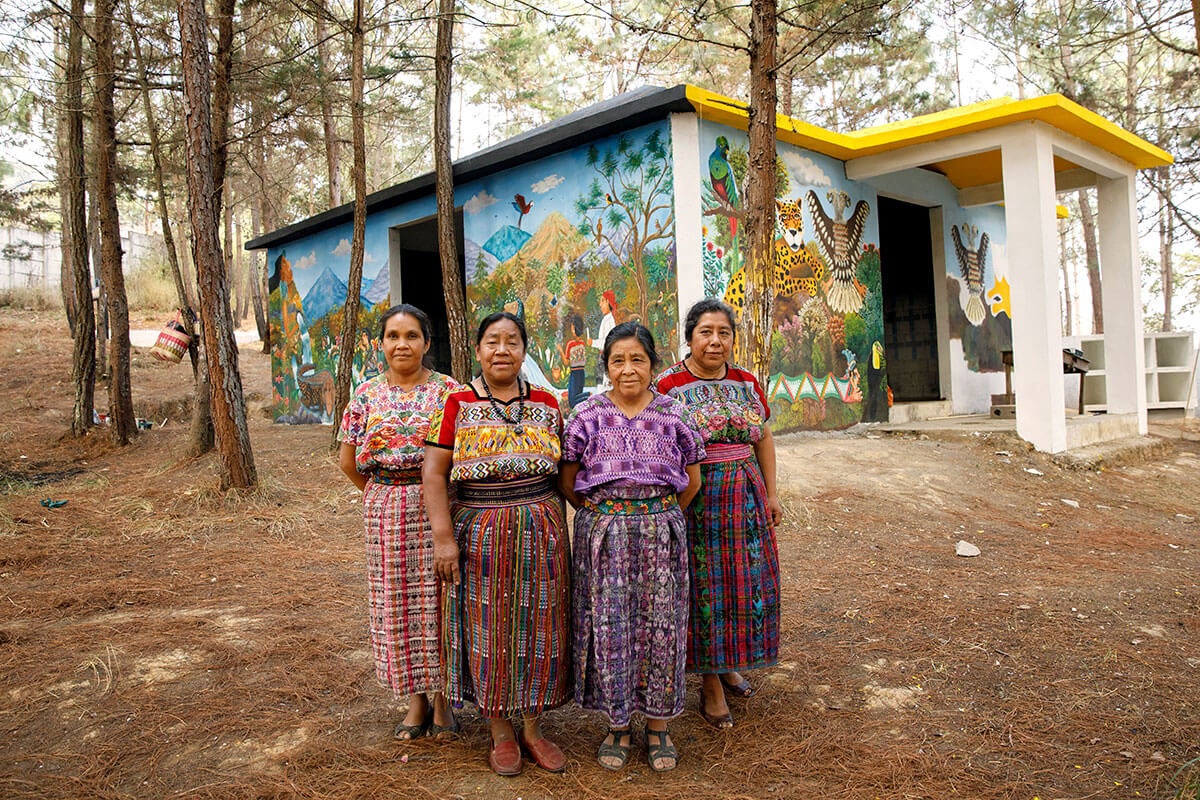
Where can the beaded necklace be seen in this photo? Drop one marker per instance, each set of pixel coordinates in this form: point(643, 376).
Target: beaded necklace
point(519, 430)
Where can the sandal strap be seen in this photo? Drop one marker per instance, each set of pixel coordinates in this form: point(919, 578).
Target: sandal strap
point(661, 749)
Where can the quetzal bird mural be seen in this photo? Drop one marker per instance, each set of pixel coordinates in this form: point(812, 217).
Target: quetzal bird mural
point(721, 176)
point(839, 240)
point(972, 263)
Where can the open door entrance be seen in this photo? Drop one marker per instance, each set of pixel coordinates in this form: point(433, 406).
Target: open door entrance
point(414, 248)
point(909, 306)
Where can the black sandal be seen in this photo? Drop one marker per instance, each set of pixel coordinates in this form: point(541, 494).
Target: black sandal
point(661, 750)
point(411, 732)
point(615, 750)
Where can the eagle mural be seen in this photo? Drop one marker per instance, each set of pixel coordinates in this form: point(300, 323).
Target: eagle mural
point(972, 263)
point(839, 240)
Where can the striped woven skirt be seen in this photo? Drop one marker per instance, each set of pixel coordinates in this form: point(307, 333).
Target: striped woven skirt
point(506, 636)
point(630, 607)
point(403, 589)
point(734, 620)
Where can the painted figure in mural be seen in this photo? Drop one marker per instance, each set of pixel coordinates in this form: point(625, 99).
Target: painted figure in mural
point(876, 400)
point(839, 240)
point(574, 355)
point(502, 548)
point(630, 463)
point(723, 182)
point(998, 297)
point(608, 308)
point(734, 608)
point(382, 450)
point(796, 269)
point(972, 265)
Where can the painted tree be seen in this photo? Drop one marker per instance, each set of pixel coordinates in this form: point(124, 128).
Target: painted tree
point(629, 204)
point(225, 382)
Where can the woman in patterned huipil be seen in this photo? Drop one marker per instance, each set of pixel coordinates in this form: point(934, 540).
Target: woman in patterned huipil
point(734, 613)
point(630, 460)
point(382, 450)
point(502, 547)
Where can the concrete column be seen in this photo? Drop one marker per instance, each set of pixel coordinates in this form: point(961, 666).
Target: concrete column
point(1124, 358)
point(689, 236)
point(1029, 212)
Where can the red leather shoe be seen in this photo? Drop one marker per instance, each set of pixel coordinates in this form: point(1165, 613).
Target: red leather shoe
point(545, 753)
point(505, 758)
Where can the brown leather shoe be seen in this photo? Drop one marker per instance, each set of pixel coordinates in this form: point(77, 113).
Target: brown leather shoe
point(505, 758)
point(545, 753)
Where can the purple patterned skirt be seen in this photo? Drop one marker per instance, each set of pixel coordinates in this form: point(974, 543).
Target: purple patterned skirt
point(630, 607)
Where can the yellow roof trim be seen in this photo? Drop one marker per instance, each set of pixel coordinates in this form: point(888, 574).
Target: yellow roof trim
point(1051, 109)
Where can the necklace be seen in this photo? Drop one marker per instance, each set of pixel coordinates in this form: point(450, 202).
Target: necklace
point(519, 430)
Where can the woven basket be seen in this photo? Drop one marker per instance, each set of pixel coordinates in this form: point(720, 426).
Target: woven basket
point(172, 342)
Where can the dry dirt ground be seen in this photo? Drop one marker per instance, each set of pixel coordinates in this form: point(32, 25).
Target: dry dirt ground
point(159, 639)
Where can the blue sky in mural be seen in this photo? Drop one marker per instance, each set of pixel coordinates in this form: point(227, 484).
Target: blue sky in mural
point(330, 250)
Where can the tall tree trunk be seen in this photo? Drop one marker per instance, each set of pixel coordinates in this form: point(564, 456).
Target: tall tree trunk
point(83, 357)
point(93, 249)
point(258, 273)
point(220, 350)
point(260, 217)
point(66, 279)
point(755, 341)
point(183, 294)
point(452, 284)
point(122, 425)
point(222, 100)
point(227, 255)
point(203, 435)
point(1092, 258)
point(349, 333)
point(1166, 246)
point(332, 144)
point(785, 91)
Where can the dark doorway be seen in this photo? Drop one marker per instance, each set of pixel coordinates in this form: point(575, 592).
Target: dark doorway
point(421, 278)
point(909, 311)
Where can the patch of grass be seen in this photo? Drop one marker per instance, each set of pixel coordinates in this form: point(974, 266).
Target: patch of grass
point(150, 287)
point(1190, 789)
point(30, 298)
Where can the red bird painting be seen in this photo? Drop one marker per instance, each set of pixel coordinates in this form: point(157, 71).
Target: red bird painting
point(522, 206)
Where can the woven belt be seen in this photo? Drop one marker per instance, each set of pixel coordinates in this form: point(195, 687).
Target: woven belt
point(504, 493)
point(396, 477)
point(635, 505)
point(716, 452)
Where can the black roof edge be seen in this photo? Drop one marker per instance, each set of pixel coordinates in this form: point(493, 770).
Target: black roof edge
point(623, 112)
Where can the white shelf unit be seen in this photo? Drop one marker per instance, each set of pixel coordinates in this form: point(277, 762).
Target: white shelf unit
point(1169, 361)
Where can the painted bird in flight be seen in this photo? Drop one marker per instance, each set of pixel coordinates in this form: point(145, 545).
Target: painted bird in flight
point(721, 176)
point(972, 264)
point(839, 239)
point(522, 206)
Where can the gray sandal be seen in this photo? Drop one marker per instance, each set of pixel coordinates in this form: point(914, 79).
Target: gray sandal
point(615, 750)
point(660, 750)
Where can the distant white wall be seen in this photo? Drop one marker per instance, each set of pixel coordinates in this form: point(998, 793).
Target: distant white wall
point(33, 259)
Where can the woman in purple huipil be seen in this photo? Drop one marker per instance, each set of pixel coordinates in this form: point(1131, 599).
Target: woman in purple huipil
point(631, 462)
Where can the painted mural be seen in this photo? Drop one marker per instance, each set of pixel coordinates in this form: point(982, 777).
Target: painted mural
point(977, 289)
point(306, 302)
point(827, 356)
point(574, 244)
